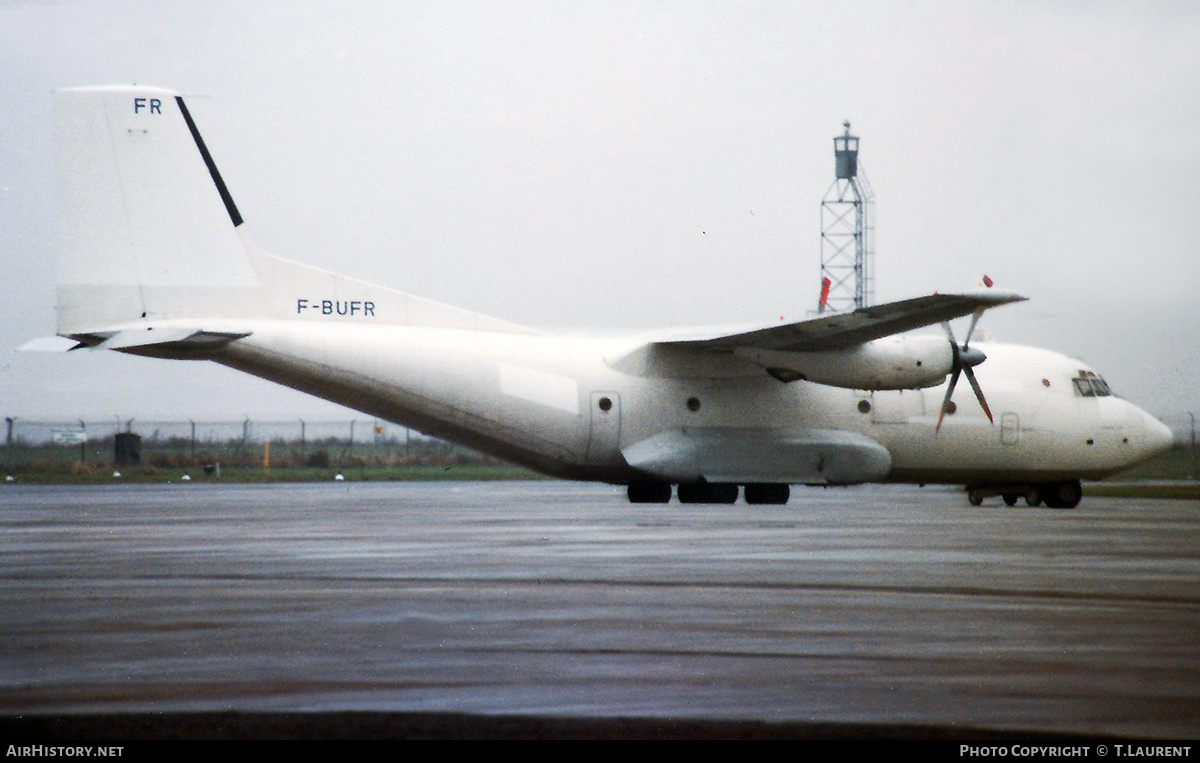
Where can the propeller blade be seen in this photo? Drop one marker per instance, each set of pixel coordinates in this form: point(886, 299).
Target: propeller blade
point(964, 359)
point(949, 392)
point(979, 394)
point(975, 316)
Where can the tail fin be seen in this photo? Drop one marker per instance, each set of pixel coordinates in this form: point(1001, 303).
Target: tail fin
point(150, 236)
point(146, 220)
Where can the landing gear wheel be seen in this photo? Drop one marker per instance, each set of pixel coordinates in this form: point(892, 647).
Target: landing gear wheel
point(1010, 499)
point(1061, 495)
point(708, 492)
point(649, 492)
point(1032, 498)
point(975, 497)
point(767, 493)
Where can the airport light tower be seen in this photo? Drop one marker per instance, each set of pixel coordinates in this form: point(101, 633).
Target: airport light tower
point(847, 233)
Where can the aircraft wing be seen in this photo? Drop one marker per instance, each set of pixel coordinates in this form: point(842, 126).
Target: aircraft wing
point(842, 330)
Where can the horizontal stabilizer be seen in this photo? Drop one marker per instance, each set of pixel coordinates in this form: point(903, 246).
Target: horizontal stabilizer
point(181, 338)
point(748, 455)
point(51, 344)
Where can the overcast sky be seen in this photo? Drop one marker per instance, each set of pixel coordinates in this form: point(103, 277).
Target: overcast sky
point(643, 164)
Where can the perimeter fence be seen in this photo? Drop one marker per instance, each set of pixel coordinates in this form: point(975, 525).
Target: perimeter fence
point(64, 445)
point(40, 445)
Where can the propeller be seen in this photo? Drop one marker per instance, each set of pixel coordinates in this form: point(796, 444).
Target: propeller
point(964, 359)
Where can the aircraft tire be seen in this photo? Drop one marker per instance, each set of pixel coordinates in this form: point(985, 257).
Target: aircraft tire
point(1061, 495)
point(708, 492)
point(649, 492)
point(767, 493)
point(1010, 499)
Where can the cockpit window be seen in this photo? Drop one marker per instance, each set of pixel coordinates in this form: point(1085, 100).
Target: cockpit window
point(1088, 384)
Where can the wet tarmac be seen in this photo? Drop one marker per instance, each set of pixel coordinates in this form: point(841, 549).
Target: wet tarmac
point(877, 607)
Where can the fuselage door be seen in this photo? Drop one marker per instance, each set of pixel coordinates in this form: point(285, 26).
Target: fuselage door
point(1010, 429)
point(604, 436)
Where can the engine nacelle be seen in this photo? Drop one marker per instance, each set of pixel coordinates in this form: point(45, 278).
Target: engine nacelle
point(894, 362)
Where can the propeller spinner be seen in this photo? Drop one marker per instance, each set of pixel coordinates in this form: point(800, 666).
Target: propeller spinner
point(964, 359)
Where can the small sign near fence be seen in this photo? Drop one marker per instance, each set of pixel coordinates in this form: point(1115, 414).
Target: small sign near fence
point(74, 436)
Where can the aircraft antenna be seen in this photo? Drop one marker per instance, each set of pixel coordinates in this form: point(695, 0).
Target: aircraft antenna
point(847, 233)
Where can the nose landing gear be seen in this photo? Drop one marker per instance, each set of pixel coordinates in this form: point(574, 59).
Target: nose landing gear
point(1061, 495)
point(1055, 495)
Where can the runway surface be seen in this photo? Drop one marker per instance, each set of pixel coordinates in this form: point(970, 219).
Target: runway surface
point(885, 606)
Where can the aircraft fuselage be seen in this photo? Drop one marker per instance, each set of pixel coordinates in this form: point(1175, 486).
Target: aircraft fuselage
point(567, 406)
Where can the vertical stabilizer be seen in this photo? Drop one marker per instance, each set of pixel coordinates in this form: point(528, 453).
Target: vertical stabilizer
point(150, 237)
point(148, 231)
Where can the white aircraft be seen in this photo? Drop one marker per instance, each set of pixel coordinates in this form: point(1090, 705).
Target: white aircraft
point(154, 261)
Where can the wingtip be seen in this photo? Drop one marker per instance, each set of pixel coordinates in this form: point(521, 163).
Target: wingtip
point(50, 344)
point(995, 296)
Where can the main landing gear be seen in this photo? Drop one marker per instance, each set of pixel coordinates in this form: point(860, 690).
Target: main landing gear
point(1055, 495)
point(709, 492)
point(650, 492)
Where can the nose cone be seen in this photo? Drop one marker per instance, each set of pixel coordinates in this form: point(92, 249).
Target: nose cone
point(1157, 437)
